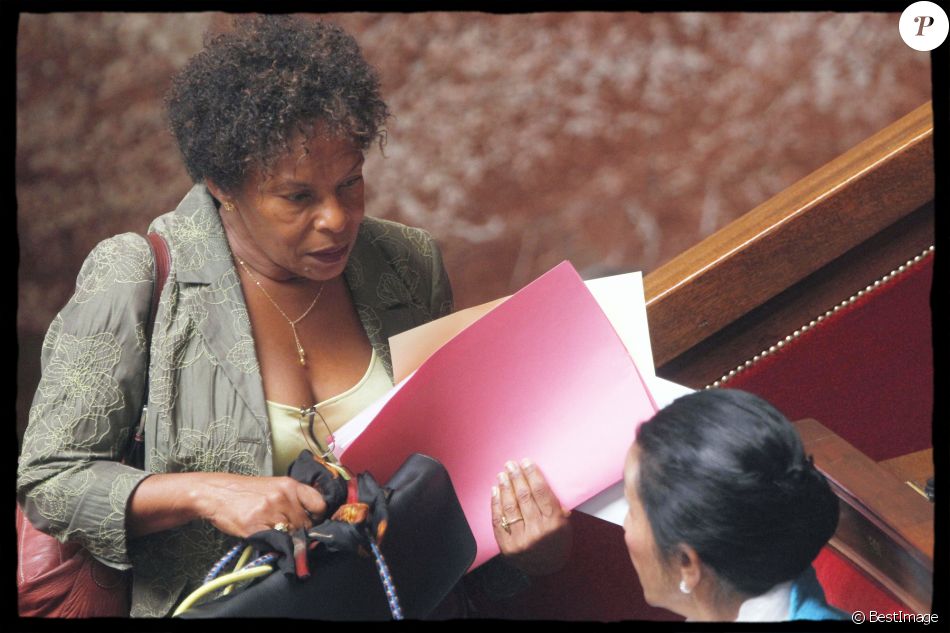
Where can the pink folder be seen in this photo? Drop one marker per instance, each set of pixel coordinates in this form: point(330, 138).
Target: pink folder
point(543, 375)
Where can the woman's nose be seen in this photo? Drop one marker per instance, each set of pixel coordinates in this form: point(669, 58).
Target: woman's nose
point(331, 216)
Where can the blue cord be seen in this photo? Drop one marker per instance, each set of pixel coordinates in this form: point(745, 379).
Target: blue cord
point(387, 579)
point(261, 560)
point(227, 558)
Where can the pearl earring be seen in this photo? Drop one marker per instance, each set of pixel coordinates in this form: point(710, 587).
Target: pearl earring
point(683, 587)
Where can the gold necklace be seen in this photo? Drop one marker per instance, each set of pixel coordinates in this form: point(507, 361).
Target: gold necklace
point(302, 355)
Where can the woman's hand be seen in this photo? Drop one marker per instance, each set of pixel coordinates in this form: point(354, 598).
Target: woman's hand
point(530, 525)
point(238, 505)
point(241, 505)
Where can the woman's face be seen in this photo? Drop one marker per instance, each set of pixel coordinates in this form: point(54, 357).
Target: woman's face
point(301, 218)
point(660, 587)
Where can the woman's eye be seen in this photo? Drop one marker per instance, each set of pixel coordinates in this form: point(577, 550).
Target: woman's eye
point(352, 182)
point(298, 197)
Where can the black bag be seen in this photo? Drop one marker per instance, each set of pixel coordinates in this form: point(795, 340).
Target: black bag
point(428, 546)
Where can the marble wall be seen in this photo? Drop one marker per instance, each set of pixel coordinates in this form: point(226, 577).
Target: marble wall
point(614, 140)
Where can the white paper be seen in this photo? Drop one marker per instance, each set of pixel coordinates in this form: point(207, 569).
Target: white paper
point(611, 505)
point(621, 299)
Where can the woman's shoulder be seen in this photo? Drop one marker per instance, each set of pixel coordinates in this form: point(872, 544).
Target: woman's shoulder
point(196, 240)
point(115, 279)
point(195, 212)
point(403, 248)
point(391, 252)
point(396, 239)
point(130, 244)
point(118, 261)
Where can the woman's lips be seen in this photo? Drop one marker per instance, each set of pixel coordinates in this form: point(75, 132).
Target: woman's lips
point(330, 256)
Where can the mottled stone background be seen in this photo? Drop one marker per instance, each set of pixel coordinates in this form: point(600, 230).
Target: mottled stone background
point(614, 140)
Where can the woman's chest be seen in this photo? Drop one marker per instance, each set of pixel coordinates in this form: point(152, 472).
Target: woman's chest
point(311, 357)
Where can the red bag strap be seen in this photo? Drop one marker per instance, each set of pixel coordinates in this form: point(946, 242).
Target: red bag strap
point(162, 256)
point(163, 260)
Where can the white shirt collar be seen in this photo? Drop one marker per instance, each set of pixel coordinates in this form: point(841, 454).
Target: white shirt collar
point(771, 606)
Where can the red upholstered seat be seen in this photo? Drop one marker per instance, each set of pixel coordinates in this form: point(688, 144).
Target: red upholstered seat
point(850, 589)
point(866, 372)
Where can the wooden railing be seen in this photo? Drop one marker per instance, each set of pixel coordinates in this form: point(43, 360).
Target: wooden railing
point(772, 270)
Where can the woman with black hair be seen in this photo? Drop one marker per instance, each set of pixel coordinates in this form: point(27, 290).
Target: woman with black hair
point(726, 512)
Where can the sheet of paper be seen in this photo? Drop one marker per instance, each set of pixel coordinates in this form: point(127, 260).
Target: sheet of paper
point(611, 505)
point(619, 296)
point(621, 299)
point(542, 375)
point(411, 348)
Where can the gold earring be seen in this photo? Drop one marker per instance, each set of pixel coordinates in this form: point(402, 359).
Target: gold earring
point(228, 207)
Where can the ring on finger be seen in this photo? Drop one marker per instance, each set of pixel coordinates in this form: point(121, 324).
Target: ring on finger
point(282, 527)
point(506, 523)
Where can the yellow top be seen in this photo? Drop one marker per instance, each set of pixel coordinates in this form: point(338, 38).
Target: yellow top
point(290, 429)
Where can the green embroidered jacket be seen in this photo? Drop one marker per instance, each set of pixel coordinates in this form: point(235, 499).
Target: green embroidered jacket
point(206, 409)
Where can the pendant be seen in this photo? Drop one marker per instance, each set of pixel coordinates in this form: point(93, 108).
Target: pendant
point(300, 353)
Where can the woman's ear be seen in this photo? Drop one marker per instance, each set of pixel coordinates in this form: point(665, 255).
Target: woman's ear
point(690, 568)
point(215, 190)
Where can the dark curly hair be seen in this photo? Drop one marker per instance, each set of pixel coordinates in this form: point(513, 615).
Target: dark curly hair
point(724, 472)
point(236, 105)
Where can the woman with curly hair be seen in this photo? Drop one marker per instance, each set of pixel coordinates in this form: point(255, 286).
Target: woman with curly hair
point(271, 331)
point(726, 513)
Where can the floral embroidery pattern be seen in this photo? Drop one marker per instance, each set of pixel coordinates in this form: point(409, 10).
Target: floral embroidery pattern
point(52, 335)
point(76, 393)
point(390, 289)
point(197, 240)
point(53, 498)
point(80, 373)
point(122, 259)
point(176, 346)
point(213, 449)
point(370, 319)
point(111, 533)
point(141, 341)
point(420, 240)
point(243, 354)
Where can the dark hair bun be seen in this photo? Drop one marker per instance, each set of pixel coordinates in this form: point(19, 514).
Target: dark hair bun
point(724, 472)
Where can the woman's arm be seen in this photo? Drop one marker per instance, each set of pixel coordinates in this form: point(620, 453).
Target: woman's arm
point(239, 505)
point(70, 482)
